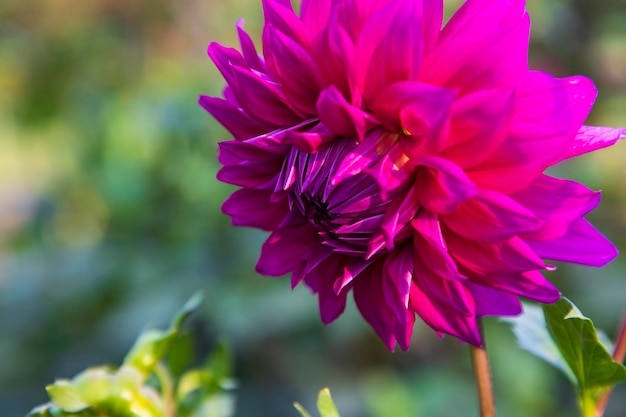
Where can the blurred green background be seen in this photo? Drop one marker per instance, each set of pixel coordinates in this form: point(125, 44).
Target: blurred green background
point(110, 217)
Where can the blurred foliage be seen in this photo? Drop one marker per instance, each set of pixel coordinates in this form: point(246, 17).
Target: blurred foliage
point(145, 386)
point(325, 405)
point(109, 213)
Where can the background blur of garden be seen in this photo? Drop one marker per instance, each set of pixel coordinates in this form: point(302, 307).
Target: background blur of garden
point(110, 217)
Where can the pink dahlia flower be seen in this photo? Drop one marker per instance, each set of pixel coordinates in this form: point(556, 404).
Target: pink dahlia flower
point(404, 163)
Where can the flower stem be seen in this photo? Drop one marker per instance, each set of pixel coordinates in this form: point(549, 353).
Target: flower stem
point(482, 373)
point(619, 353)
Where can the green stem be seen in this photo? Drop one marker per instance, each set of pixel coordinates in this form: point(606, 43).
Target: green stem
point(588, 406)
point(482, 373)
point(167, 387)
point(619, 353)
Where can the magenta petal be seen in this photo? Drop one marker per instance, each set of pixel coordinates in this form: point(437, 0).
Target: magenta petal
point(591, 138)
point(250, 54)
point(315, 15)
point(433, 20)
point(484, 45)
point(479, 125)
point(445, 292)
point(530, 284)
point(548, 113)
point(507, 257)
point(224, 59)
point(279, 14)
point(285, 248)
point(251, 152)
point(476, 16)
point(389, 172)
point(319, 254)
point(417, 109)
point(558, 203)
point(359, 159)
point(396, 31)
point(261, 99)
point(492, 302)
point(354, 14)
point(321, 281)
point(292, 66)
point(377, 313)
point(257, 177)
point(397, 278)
point(552, 107)
point(491, 217)
point(582, 244)
point(398, 215)
point(431, 247)
point(352, 267)
point(248, 165)
point(340, 116)
point(311, 140)
point(441, 186)
point(444, 319)
point(253, 208)
point(232, 118)
point(335, 49)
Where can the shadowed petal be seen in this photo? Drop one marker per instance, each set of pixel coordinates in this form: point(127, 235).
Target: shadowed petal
point(492, 302)
point(292, 66)
point(311, 140)
point(288, 245)
point(232, 118)
point(335, 49)
point(341, 117)
point(321, 281)
point(444, 319)
point(253, 208)
point(398, 215)
point(435, 271)
point(362, 157)
point(530, 284)
point(262, 99)
point(390, 171)
point(440, 185)
point(379, 315)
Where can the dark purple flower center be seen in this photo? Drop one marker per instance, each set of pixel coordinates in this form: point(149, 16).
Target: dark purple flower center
point(347, 215)
point(315, 209)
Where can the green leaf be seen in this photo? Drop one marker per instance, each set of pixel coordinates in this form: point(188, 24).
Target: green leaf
point(41, 411)
point(301, 410)
point(579, 344)
point(65, 396)
point(152, 345)
point(325, 405)
point(532, 335)
point(565, 338)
